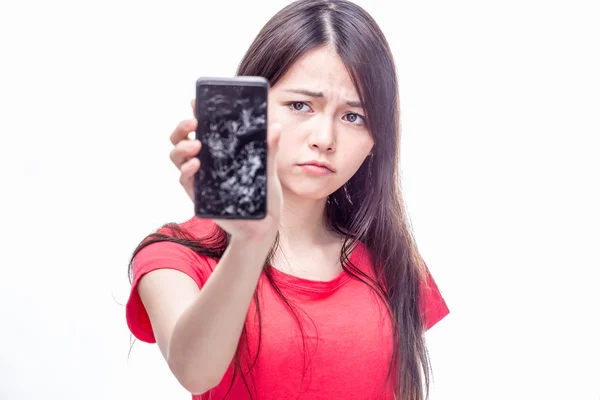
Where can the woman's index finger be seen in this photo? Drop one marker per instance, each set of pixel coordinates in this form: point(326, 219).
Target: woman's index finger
point(183, 129)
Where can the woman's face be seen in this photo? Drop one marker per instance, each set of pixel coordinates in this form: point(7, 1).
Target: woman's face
point(319, 109)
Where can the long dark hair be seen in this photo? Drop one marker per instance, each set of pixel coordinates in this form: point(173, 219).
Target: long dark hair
point(369, 208)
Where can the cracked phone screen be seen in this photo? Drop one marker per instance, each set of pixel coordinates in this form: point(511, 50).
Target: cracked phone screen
point(232, 126)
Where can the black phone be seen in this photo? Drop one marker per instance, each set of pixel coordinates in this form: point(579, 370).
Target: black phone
point(232, 126)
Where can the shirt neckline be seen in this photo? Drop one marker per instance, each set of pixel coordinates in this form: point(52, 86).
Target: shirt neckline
point(314, 286)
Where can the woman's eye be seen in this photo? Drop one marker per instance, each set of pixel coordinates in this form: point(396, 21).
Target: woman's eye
point(299, 106)
point(354, 118)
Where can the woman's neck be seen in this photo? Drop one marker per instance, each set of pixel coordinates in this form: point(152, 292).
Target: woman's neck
point(307, 247)
point(303, 221)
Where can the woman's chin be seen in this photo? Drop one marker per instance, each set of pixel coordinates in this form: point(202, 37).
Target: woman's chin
point(307, 191)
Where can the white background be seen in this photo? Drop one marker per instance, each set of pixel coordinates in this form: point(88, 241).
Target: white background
point(500, 113)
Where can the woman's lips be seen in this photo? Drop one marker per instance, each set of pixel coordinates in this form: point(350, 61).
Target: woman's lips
point(314, 169)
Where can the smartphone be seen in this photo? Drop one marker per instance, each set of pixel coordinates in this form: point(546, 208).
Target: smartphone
point(232, 126)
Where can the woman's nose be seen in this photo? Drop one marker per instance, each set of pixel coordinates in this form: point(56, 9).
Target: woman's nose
point(322, 136)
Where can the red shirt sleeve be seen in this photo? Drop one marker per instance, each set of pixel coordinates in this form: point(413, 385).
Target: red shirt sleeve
point(156, 256)
point(433, 305)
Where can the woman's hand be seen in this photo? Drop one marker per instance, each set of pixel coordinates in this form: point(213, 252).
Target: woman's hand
point(183, 155)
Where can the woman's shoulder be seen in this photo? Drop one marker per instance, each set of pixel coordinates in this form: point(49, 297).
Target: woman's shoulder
point(177, 244)
point(194, 228)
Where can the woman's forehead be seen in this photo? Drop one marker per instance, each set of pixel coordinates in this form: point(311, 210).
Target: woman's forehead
point(320, 70)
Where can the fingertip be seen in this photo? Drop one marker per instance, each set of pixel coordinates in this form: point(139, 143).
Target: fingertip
point(193, 105)
point(190, 167)
point(276, 127)
point(274, 141)
point(191, 129)
point(274, 133)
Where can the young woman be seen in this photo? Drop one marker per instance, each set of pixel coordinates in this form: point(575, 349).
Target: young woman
point(327, 297)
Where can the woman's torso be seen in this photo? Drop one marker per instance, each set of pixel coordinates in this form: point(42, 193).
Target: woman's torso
point(347, 341)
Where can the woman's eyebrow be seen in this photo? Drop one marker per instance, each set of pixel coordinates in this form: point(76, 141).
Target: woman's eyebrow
point(356, 104)
point(310, 93)
point(306, 92)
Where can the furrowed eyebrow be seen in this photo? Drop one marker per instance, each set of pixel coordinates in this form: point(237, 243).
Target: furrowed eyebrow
point(306, 92)
point(356, 104)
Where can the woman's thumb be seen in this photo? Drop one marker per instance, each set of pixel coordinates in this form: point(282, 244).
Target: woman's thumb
point(273, 135)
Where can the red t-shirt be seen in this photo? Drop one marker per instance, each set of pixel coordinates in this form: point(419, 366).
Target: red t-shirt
point(347, 345)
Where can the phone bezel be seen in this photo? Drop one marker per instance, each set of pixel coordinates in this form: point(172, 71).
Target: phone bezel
point(256, 81)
